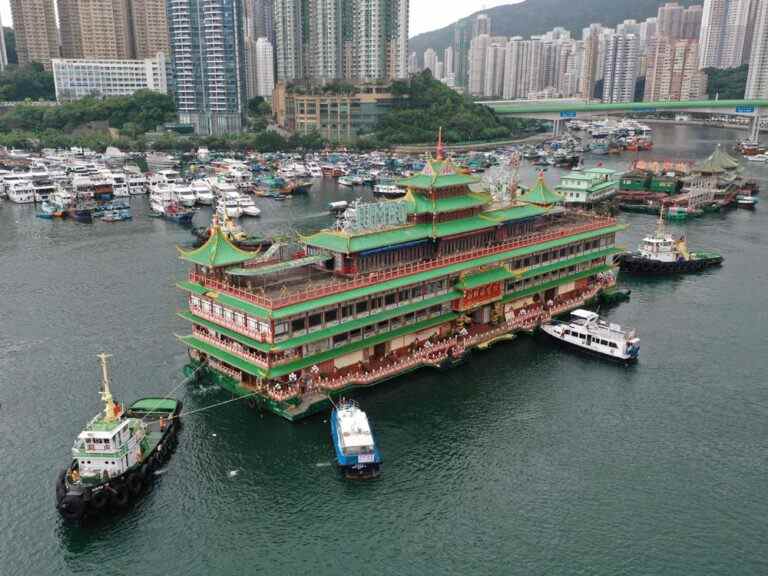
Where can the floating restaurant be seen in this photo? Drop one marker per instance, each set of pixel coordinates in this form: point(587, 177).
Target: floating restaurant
point(395, 286)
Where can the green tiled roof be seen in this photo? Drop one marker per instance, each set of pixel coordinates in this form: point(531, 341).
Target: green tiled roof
point(337, 241)
point(217, 251)
point(421, 204)
point(224, 356)
point(541, 195)
point(398, 282)
point(438, 174)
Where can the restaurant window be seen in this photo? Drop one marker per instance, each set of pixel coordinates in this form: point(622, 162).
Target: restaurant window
point(361, 307)
point(389, 299)
point(315, 320)
point(298, 325)
point(331, 315)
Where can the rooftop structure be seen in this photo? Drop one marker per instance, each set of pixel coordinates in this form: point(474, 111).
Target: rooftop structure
point(393, 286)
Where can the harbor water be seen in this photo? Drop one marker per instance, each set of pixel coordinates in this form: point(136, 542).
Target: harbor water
point(527, 460)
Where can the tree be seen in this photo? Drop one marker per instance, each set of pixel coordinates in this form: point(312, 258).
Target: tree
point(727, 84)
point(32, 81)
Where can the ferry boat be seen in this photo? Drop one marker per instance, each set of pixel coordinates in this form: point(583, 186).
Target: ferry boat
point(391, 287)
point(357, 455)
point(661, 253)
point(116, 454)
point(586, 331)
point(248, 206)
point(388, 188)
point(588, 187)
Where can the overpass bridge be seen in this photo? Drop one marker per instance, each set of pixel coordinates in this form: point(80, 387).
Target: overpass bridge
point(559, 112)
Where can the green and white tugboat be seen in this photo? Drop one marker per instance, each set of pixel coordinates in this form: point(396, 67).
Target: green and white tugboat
point(115, 456)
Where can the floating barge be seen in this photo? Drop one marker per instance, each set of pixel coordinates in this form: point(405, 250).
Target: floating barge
point(395, 286)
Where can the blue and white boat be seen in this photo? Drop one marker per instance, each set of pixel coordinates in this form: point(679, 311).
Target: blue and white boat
point(356, 451)
point(587, 332)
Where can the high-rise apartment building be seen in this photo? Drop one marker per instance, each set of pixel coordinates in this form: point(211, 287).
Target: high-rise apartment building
point(3, 53)
point(724, 32)
point(208, 61)
point(692, 22)
point(461, 43)
point(448, 69)
point(34, 23)
point(495, 54)
point(289, 39)
point(323, 58)
point(669, 21)
point(430, 61)
point(620, 68)
point(150, 28)
point(481, 25)
point(757, 80)
point(413, 63)
point(590, 63)
point(93, 29)
point(477, 53)
point(673, 72)
point(265, 69)
point(380, 39)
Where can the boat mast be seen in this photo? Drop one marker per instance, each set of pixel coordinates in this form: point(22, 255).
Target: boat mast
point(106, 395)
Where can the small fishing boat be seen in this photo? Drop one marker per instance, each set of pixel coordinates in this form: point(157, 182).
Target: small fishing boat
point(387, 188)
point(50, 210)
point(356, 451)
point(248, 206)
point(661, 253)
point(117, 215)
point(586, 331)
point(338, 206)
point(116, 454)
point(346, 181)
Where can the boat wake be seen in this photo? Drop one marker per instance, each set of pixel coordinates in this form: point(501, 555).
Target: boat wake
point(323, 464)
point(205, 390)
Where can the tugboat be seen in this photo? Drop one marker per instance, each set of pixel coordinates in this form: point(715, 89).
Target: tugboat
point(356, 451)
point(662, 254)
point(115, 456)
point(586, 331)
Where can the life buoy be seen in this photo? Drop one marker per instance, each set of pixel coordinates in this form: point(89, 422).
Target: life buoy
point(135, 483)
point(119, 497)
point(99, 500)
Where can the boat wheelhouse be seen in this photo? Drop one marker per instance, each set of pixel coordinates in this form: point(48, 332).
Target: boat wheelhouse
point(394, 286)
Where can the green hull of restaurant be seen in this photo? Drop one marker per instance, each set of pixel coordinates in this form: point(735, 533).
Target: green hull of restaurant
point(396, 286)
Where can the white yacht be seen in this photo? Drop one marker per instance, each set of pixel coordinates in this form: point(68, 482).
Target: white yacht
point(248, 206)
point(21, 192)
point(119, 181)
point(586, 331)
point(203, 194)
point(388, 189)
point(137, 184)
point(229, 205)
point(185, 195)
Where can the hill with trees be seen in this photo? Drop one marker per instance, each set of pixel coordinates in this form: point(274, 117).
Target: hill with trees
point(533, 17)
point(727, 84)
point(424, 105)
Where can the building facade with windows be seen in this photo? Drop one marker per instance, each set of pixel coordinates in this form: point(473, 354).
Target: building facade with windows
point(76, 79)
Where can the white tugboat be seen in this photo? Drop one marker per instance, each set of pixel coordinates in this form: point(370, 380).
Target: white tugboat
point(115, 456)
point(586, 331)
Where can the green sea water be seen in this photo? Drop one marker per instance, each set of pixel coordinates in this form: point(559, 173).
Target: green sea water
point(526, 460)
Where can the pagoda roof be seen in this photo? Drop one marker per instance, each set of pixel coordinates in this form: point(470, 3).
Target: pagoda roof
point(352, 242)
point(420, 204)
point(541, 195)
point(217, 251)
point(717, 162)
point(438, 174)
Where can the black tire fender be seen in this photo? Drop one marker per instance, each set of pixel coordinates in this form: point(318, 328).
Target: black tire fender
point(120, 496)
point(99, 500)
point(135, 483)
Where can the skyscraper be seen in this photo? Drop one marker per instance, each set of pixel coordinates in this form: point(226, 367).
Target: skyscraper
point(94, 29)
point(589, 71)
point(494, 67)
point(448, 70)
point(150, 28)
point(477, 53)
point(724, 27)
point(289, 39)
point(670, 20)
point(620, 68)
point(34, 22)
point(757, 80)
point(673, 72)
point(265, 68)
point(207, 48)
point(323, 57)
point(482, 25)
point(430, 61)
point(461, 43)
point(3, 53)
point(380, 39)
point(692, 22)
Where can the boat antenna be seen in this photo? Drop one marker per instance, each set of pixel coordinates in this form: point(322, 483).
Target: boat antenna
point(110, 413)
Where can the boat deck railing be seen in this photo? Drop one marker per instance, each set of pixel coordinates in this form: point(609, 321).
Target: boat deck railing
point(288, 298)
